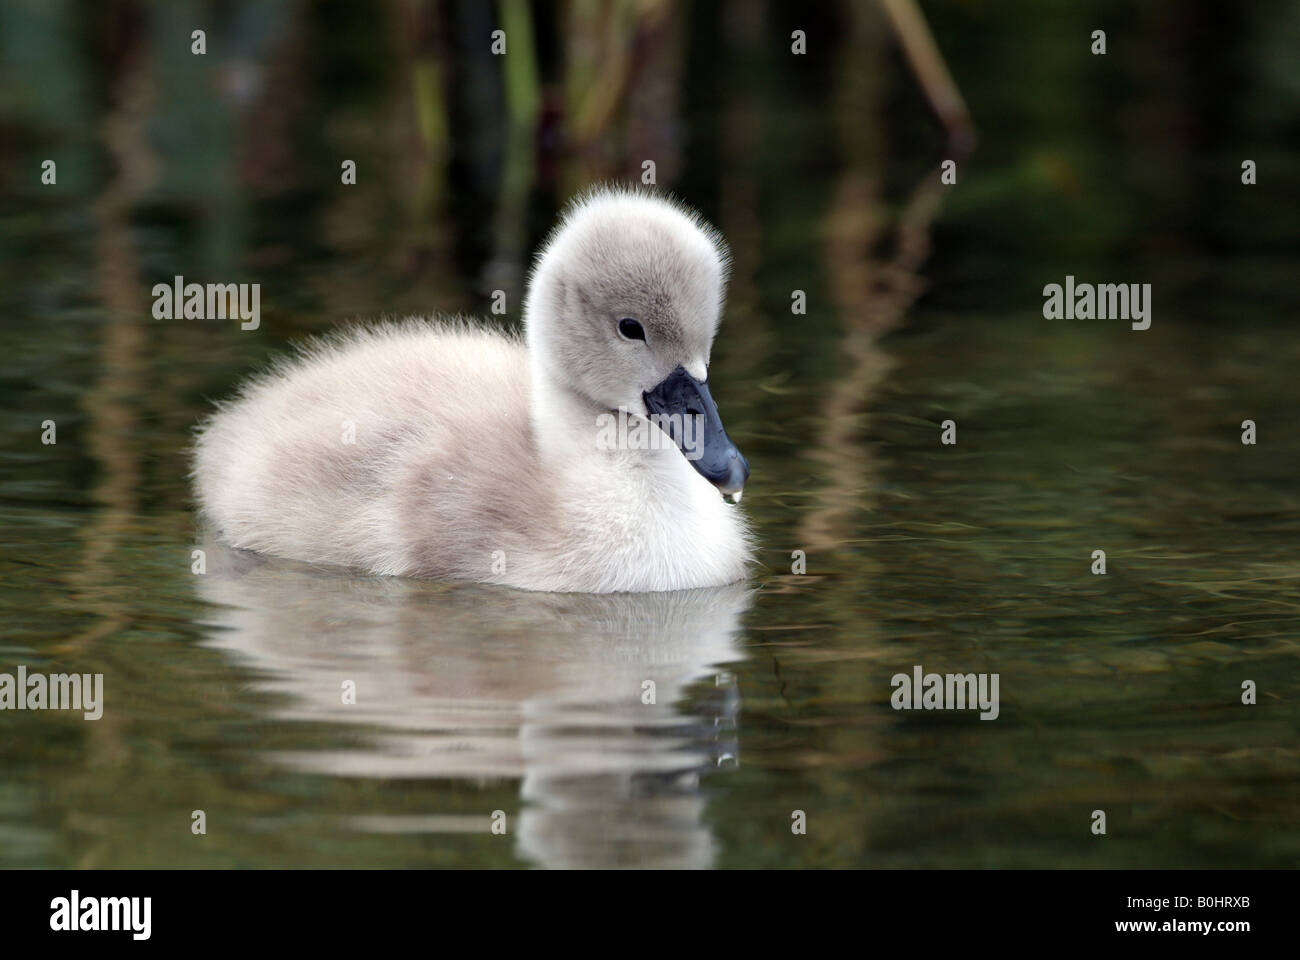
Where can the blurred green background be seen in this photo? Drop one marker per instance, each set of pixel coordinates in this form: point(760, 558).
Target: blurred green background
point(924, 304)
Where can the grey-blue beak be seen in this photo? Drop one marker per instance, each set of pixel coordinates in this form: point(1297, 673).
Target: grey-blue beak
point(684, 409)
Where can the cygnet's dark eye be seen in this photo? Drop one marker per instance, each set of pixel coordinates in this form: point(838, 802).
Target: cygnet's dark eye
point(631, 329)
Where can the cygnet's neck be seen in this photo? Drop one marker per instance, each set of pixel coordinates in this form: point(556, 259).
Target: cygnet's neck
point(571, 429)
point(564, 421)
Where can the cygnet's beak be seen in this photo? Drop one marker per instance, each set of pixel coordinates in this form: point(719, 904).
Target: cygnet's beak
point(684, 409)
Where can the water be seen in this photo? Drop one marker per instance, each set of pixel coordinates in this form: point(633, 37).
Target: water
point(1119, 692)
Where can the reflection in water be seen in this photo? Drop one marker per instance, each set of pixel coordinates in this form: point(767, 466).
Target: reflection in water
point(464, 681)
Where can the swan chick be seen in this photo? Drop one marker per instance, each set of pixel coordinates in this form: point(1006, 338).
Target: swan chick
point(587, 455)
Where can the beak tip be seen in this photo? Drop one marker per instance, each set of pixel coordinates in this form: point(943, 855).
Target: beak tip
point(737, 474)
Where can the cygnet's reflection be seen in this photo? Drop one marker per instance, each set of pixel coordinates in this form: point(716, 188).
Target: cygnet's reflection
point(474, 682)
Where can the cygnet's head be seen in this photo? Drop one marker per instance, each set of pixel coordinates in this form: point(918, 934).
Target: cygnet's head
point(623, 305)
